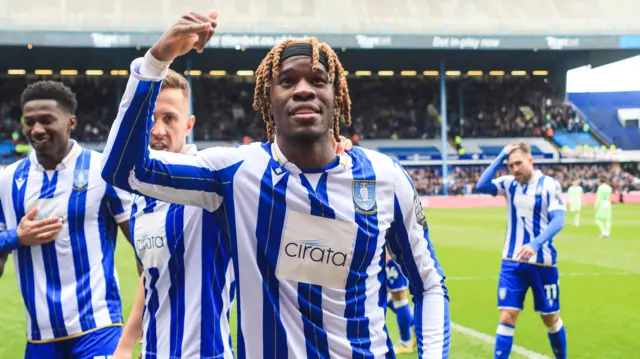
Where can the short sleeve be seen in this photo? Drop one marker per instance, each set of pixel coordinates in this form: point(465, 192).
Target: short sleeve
point(503, 183)
point(119, 203)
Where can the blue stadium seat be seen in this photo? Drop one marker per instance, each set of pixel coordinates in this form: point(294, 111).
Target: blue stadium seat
point(574, 139)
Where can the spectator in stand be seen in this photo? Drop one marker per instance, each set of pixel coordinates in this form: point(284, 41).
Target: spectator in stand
point(383, 107)
point(428, 180)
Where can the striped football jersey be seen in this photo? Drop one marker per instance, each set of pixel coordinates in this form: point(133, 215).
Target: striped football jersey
point(528, 213)
point(70, 285)
point(187, 278)
point(307, 246)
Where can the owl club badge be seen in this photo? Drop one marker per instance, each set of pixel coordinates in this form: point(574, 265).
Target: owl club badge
point(364, 195)
point(80, 180)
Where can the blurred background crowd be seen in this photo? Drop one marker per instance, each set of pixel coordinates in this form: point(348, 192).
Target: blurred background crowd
point(382, 108)
point(462, 179)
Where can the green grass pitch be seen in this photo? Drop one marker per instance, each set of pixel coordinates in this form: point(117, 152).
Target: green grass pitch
point(600, 286)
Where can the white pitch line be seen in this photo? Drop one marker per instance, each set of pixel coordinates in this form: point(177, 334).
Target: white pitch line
point(490, 340)
point(593, 274)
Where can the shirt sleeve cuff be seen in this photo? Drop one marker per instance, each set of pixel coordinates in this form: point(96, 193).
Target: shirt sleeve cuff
point(11, 240)
point(150, 68)
point(122, 217)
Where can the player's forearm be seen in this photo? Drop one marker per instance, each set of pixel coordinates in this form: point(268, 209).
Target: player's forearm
point(484, 184)
point(555, 226)
point(127, 145)
point(133, 329)
point(9, 241)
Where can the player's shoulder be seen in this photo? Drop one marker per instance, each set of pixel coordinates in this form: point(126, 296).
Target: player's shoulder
point(507, 178)
point(387, 170)
point(551, 184)
point(231, 154)
point(95, 158)
point(10, 169)
point(505, 181)
point(8, 175)
point(8, 172)
point(372, 157)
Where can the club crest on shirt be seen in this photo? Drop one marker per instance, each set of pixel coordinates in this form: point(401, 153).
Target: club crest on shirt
point(80, 180)
point(364, 195)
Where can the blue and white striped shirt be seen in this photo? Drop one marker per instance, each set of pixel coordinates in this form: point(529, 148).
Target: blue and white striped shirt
point(528, 214)
point(307, 248)
point(188, 276)
point(70, 285)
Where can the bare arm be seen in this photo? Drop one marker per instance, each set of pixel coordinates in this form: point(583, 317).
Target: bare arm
point(126, 230)
point(133, 329)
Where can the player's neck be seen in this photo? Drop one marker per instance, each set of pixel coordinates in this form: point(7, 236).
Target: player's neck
point(49, 161)
point(307, 154)
point(527, 179)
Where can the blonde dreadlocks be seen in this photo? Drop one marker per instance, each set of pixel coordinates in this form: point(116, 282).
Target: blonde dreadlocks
point(268, 70)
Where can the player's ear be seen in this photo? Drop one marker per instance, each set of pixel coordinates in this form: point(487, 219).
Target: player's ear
point(191, 121)
point(73, 121)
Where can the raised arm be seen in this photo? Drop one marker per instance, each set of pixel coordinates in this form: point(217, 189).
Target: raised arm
point(409, 245)
point(129, 164)
point(486, 183)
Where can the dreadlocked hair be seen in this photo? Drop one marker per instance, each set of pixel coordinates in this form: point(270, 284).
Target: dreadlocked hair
point(268, 70)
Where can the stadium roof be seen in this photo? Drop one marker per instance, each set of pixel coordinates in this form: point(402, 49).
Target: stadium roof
point(374, 60)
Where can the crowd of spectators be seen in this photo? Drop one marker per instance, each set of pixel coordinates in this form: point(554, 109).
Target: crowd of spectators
point(382, 107)
point(514, 108)
point(462, 179)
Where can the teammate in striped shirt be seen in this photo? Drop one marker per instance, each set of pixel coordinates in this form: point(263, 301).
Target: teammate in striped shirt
point(308, 227)
point(186, 289)
point(69, 285)
point(535, 215)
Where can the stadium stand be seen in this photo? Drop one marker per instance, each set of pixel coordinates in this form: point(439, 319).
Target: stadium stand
point(602, 110)
point(540, 148)
point(572, 140)
point(383, 108)
point(462, 179)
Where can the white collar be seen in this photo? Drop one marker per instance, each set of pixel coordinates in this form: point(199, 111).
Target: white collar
point(345, 161)
point(76, 149)
point(192, 150)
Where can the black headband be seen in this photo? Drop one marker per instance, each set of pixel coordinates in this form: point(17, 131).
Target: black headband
point(303, 49)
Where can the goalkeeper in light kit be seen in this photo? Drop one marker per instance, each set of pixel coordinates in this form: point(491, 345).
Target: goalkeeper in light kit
point(603, 207)
point(575, 201)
